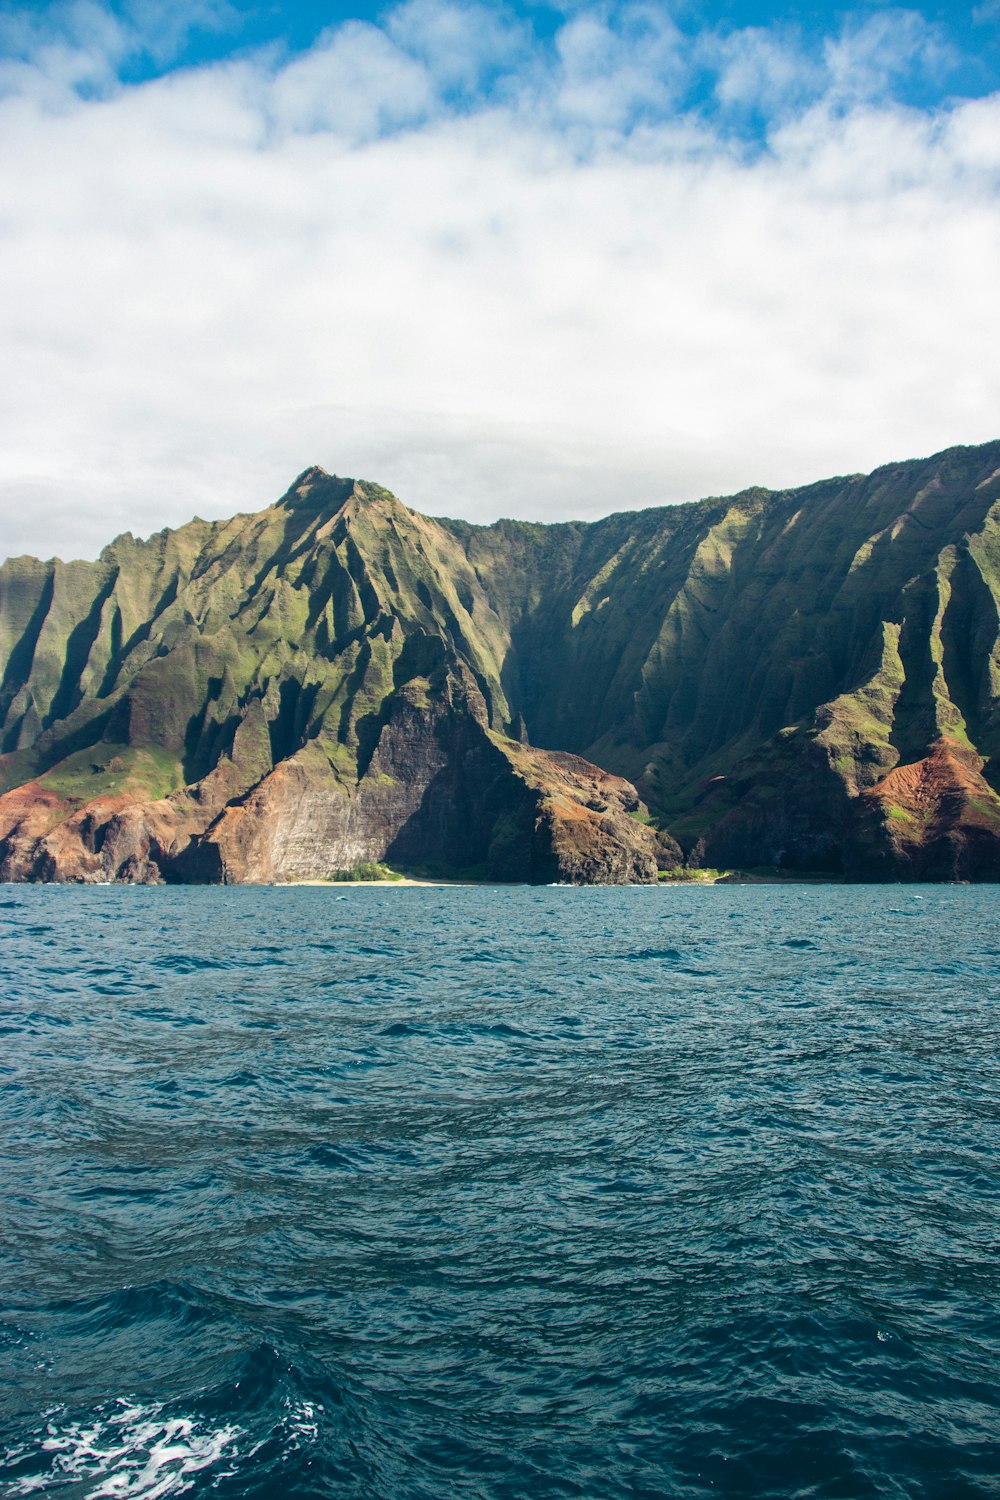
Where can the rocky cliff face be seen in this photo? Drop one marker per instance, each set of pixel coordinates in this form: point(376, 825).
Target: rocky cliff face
point(808, 680)
point(284, 696)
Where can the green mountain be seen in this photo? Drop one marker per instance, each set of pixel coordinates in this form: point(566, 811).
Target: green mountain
point(807, 680)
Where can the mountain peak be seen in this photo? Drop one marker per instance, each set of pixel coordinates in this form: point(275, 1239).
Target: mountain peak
point(311, 475)
point(316, 490)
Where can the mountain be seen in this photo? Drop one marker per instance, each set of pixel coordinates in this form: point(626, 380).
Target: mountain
point(806, 680)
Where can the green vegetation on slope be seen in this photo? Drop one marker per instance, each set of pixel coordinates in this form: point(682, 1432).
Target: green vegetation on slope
point(758, 665)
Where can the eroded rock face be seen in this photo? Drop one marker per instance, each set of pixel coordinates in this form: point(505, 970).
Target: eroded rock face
point(806, 680)
point(935, 819)
point(588, 824)
point(440, 786)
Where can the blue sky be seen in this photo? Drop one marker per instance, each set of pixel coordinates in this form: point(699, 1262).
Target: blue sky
point(966, 37)
point(208, 32)
point(506, 260)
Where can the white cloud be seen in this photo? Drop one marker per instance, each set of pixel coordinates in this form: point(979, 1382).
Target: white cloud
point(460, 43)
point(354, 82)
point(52, 57)
point(774, 71)
point(78, 46)
point(610, 73)
point(759, 68)
point(162, 30)
point(869, 56)
point(566, 302)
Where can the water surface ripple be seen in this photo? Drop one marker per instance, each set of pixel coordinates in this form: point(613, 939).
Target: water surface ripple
point(420, 1194)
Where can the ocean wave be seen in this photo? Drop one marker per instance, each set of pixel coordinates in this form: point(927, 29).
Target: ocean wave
point(123, 1451)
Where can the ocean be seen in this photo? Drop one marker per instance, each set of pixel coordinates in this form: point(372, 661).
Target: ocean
point(438, 1192)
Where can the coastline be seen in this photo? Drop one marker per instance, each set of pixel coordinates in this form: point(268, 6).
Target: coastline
point(723, 877)
point(387, 884)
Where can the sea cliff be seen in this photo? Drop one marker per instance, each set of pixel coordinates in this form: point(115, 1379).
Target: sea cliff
point(806, 680)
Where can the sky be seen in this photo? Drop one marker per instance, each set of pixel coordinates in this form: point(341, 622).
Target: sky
point(528, 260)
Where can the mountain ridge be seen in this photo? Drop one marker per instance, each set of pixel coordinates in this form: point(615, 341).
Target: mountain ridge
point(759, 670)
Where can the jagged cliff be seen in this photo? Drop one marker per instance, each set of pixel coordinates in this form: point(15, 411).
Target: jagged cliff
point(282, 696)
point(807, 679)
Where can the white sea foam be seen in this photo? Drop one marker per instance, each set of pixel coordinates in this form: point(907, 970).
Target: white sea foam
point(131, 1452)
point(302, 1422)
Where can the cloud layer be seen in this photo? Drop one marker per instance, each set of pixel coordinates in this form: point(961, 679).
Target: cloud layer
point(624, 266)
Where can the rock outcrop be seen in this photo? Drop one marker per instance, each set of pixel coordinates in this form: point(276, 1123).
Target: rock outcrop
point(806, 680)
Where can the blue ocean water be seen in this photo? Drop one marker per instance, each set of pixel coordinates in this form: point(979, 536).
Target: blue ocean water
point(441, 1192)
